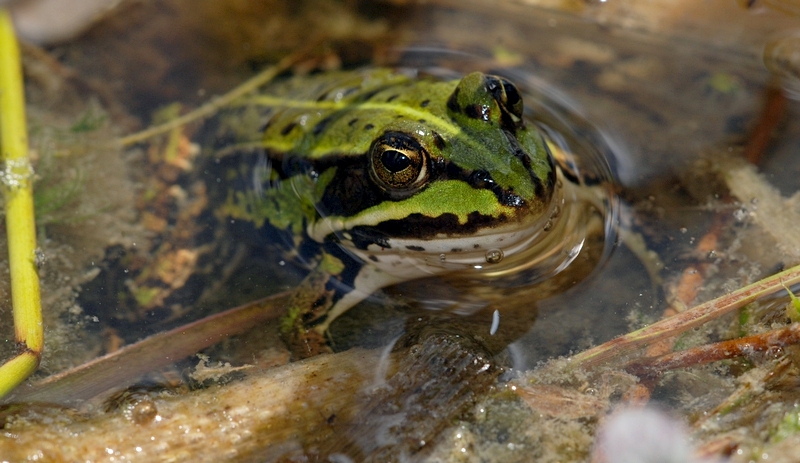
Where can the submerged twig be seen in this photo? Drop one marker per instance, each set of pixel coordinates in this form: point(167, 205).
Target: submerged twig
point(716, 351)
point(685, 291)
point(683, 321)
point(773, 114)
point(123, 367)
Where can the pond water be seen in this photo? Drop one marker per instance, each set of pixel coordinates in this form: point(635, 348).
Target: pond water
point(655, 108)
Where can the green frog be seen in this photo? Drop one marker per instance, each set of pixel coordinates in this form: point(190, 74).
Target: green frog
point(382, 176)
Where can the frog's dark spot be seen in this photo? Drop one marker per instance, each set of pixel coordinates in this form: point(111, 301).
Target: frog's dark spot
point(425, 103)
point(523, 156)
point(415, 248)
point(570, 176)
point(482, 179)
point(373, 258)
point(476, 246)
point(321, 126)
point(363, 237)
point(456, 250)
point(421, 121)
point(398, 116)
point(452, 102)
point(369, 127)
point(352, 121)
point(438, 140)
point(289, 127)
point(392, 98)
point(320, 302)
point(478, 111)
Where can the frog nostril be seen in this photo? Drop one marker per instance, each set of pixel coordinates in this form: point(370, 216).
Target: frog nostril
point(481, 179)
point(479, 111)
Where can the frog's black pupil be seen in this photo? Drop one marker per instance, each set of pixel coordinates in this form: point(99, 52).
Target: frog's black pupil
point(395, 161)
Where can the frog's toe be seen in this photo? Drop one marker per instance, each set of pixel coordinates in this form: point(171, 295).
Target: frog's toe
point(308, 344)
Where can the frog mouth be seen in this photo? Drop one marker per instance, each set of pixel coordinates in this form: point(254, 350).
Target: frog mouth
point(495, 251)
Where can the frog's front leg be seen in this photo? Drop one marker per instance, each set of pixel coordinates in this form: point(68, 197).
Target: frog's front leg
point(311, 300)
point(321, 297)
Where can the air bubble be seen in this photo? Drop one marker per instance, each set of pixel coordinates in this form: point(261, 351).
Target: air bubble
point(740, 214)
point(494, 256)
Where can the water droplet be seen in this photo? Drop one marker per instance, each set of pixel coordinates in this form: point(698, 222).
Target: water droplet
point(442, 257)
point(556, 212)
point(547, 226)
point(494, 256)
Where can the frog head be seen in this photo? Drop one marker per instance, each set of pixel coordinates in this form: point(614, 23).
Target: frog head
point(447, 173)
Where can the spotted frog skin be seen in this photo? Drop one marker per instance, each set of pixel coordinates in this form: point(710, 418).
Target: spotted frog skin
point(380, 176)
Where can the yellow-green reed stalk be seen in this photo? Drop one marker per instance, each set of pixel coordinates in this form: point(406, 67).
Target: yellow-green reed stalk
point(16, 179)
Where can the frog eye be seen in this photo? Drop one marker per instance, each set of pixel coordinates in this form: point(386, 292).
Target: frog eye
point(506, 94)
point(398, 163)
point(513, 98)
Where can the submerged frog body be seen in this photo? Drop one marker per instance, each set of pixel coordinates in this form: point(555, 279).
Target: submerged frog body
point(394, 177)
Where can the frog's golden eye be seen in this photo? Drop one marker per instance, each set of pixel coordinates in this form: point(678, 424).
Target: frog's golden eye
point(398, 163)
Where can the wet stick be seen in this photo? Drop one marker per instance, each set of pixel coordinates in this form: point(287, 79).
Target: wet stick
point(124, 366)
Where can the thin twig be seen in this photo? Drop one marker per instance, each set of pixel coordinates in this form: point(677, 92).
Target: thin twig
point(701, 355)
point(215, 104)
point(684, 321)
point(763, 133)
